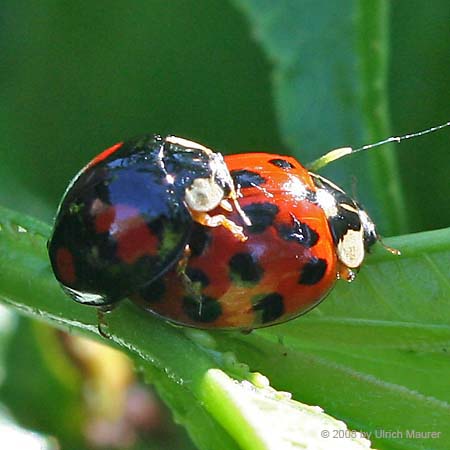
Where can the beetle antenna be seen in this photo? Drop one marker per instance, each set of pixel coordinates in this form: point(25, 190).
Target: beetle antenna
point(339, 153)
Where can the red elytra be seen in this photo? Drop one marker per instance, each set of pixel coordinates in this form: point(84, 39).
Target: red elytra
point(287, 265)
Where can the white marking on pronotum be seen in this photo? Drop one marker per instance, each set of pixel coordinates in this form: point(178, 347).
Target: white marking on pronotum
point(327, 202)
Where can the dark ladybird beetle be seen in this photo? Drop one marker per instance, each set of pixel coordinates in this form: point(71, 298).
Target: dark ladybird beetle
point(304, 233)
point(127, 216)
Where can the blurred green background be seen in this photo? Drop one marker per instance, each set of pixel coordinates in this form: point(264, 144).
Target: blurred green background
point(78, 76)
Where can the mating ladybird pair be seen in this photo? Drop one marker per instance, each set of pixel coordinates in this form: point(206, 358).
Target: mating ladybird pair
point(244, 241)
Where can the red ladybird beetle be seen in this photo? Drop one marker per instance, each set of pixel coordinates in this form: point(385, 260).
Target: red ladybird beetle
point(305, 233)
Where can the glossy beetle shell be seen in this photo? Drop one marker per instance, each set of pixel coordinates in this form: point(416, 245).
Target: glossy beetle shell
point(287, 265)
point(123, 220)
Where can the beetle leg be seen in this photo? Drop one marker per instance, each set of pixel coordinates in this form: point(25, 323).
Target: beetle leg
point(102, 323)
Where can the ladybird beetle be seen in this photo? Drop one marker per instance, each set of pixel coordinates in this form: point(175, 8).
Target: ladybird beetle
point(127, 216)
point(305, 233)
point(242, 242)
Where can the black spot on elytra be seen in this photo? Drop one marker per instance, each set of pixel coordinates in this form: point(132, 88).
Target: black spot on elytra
point(271, 307)
point(313, 271)
point(202, 309)
point(245, 268)
point(298, 232)
point(154, 292)
point(246, 178)
point(261, 216)
point(281, 163)
point(199, 240)
point(197, 276)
